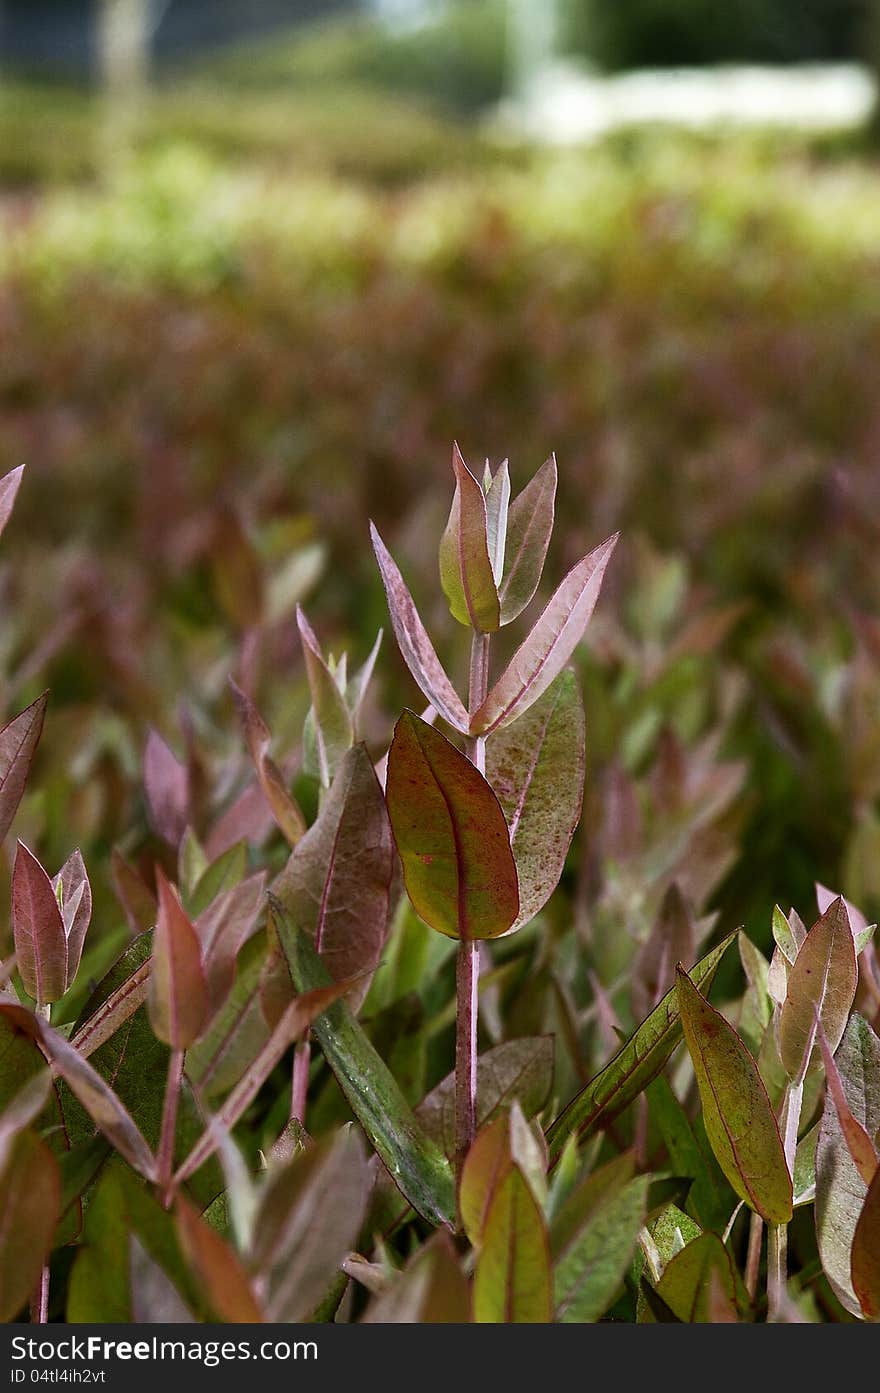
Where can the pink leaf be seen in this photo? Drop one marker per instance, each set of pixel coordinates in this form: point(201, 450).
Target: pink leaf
point(414, 643)
point(9, 486)
point(166, 783)
point(223, 929)
point(545, 652)
point(466, 572)
point(38, 929)
point(18, 740)
point(178, 994)
point(76, 907)
point(529, 526)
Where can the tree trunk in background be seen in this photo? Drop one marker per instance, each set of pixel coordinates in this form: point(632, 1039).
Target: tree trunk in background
point(124, 46)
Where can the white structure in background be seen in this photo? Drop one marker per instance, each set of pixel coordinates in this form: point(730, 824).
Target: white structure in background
point(404, 14)
point(563, 103)
point(532, 36)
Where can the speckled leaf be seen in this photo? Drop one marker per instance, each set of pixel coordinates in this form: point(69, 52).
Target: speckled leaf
point(633, 1067)
point(536, 767)
point(840, 1190)
point(737, 1115)
point(413, 641)
point(466, 572)
point(451, 835)
point(821, 988)
point(515, 1069)
point(512, 1282)
point(529, 527)
point(549, 646)
point(336, 885)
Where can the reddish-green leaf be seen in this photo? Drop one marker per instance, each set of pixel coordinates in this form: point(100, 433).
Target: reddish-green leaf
point(413, 641)
point(859, 1143)
point(336, 885)
point(590, 1268)
point(738, 1118)
point(633, 1067)
point(432, 1290)
point(529, 526)
point(547, 649)
point(505, 1142)
point(177, 997)
point(466, 572)
point(30, 1207)
point(166, 784)
point(840, 1189)
point(513, 1283)
point(451, 835)
point(224, 928)
point(134, 895)
point(285, 809)
point(222, 1278)
point(515, 1069)
point(694, 1278)
point(497, 508)
point(18, 740)
point(332, 719)
point(113, 1012)
point(9, 486)
point(38, 929)
point(865, 1262)
point(821, 988)
point(536, 767)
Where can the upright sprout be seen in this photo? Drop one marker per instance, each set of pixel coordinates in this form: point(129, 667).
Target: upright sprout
point(467, 870)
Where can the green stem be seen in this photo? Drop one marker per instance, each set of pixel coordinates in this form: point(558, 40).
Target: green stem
point(165, 1154)
point(753, 1257)
point(777, 1267)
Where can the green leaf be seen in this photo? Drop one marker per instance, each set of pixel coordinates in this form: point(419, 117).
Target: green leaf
point(332, 720)
point(590, 1268)
point(739, 1120)
point(547, 649)
point(707, 1199)
point(497, 507)
point(529, 527)
point(512, 1282)
point(30, 1207)
point(507, 1141)
point(840, 1189)
point(336, 885)
point(633, 1067)
point(419, 1169)
point(536, 767)
point(688, 1280)
point(865, 1263)
point(237, 1032)
point(821, 988)
point(466, 572)
point(520, 1070)
point(451, 835)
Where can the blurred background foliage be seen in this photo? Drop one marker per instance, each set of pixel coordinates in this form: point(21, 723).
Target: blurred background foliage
point(249, 303)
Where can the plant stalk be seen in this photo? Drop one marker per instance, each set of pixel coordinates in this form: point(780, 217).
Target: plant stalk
point(40, 1299)
point(777, 1267)
point(467, 968)
point(165, 1154)
point(302, 1058)
point(753, 1256)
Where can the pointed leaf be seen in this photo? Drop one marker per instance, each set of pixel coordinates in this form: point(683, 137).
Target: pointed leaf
point(332, 720)
point(222, 1278)
point(859, 1143)
point(821, 988)
point(688, 1280)
point(236, 1033)
point(738, 1118)
point(548, 648)
point(451, 835)
point(413, 641)
point(308, 1222)
point(283, 805)
point(497, 508)
point(865, 1264)
point(166, 784)
point(520, 1070)
point(356, 688)
point(633, 1067)
point(30, 1207)
point(840, 1189)
point(416, 1164)
point(132, 892)
point(512, 1283)
point(786, 934)
point(9, 486)
point(466, 572)
point(177, 996)
point(336, 885)
point(708, 1197)
point(506, 1142)
point(38, 930)
point(431, 1290)
point(672, 939)
point(76, 907)
point(590, 1270)
point(536, 767)
point(529, 527)
point(18, 740)
point(223, 929)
